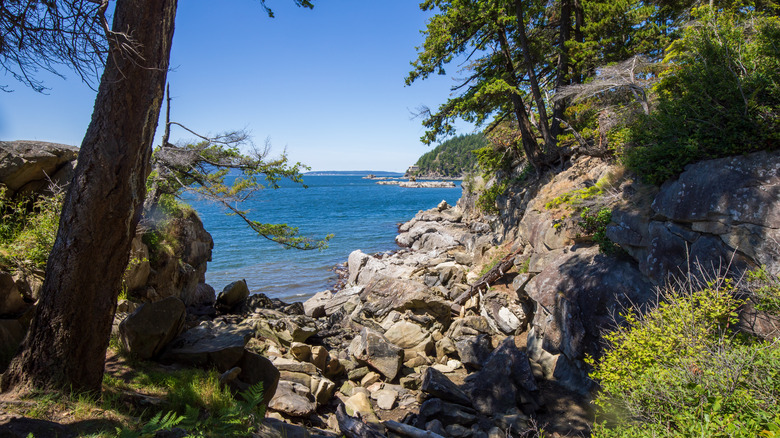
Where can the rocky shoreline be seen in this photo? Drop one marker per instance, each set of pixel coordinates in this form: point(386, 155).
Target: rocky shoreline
point(477, 327)
point(391, 347)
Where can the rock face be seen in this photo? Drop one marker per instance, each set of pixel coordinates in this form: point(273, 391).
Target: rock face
point(576, 297)
point(718, 211)
point(178, 266)
point(27, 166)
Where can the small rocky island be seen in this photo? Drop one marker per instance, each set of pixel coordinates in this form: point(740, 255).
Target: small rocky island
point(420, 184)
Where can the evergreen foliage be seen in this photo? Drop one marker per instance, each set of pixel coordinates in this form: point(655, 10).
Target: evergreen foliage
point(452, 158)
point(720, 97)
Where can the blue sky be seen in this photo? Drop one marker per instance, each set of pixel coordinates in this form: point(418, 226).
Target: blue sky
point(326, 84)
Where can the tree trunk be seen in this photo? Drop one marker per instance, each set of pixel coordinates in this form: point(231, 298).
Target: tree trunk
point(66, 346)
point(530, 146)
point(562, 76)
point(544, 127)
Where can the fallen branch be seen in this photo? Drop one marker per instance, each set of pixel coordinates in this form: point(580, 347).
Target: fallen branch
point(410, 431)
point(490, 277)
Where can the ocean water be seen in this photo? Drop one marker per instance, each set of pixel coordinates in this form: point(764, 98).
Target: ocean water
point(360, 213)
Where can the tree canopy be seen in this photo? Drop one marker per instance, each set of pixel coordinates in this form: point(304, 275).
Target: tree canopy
point(523, 62)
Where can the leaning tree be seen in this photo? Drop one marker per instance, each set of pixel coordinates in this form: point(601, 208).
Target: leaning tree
point(67, 341)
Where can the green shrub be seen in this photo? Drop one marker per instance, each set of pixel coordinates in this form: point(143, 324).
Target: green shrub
point(595, 225)
point(28, 229)
point(487, 199)
point(720, 97)
point(679, 370)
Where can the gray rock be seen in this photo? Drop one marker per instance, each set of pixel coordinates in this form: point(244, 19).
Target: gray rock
point(315, 306)
point(385, 398)
point(147, 331)
point(372, 348)
point(293, 399)
point(255, 369)
point(208, 344)
point(438, 385)
point(473, 350)
point(384, 294)
point(505, 375)
point(233, 294)
point(27, 165)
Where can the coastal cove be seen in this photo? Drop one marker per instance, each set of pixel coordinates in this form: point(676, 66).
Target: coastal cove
point(360, 213)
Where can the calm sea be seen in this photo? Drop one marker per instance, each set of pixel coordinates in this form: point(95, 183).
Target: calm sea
point(360, 213)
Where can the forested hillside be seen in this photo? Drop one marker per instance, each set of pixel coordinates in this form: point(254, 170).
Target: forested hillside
point(452, 158)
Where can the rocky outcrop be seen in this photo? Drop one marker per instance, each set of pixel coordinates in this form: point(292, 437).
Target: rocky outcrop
point(716, 213)
point(175, 266)
point(31, 166)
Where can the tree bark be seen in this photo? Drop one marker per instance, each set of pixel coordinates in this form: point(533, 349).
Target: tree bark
point(527, 137)
point(562, 76)
point(544, 127)
point(69, 334)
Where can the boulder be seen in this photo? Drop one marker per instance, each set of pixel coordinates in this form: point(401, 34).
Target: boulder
point(508, 314)
point(314, 307)
point(505, 376)
point(372, 348)
point(293, 399)
point(204, 295)
point(233, 295)
point(406, 334)
point(27, 166)
point(384, 294)
point(473, 350)
point(447, 413)
point(209, 345)
point(438, 385)
point(284, 329)
point(255, 369)
point(11, 301)
point(147, 331)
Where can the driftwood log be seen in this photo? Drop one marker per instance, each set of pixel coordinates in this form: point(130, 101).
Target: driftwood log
point(410, 431)
point(490, 277)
